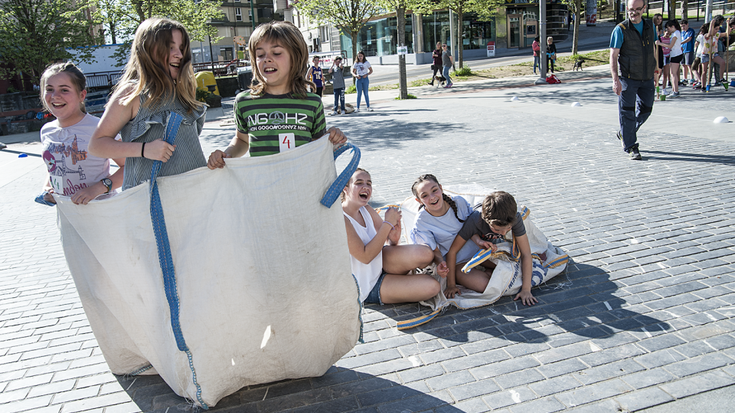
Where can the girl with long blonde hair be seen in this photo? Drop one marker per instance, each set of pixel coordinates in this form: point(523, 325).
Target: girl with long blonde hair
point(158, 81)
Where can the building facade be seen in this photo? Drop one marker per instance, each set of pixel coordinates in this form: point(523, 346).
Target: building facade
point(239, 19)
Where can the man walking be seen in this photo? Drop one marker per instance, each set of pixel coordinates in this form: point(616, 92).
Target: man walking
point(632, 46)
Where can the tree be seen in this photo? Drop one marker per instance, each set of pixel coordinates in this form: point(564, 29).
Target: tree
point(575, 6)
point(36, 33)
point(124, 16)
point(349, 16)
point(684, 9)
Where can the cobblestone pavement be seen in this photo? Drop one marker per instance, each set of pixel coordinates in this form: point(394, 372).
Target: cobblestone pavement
point(643, 316)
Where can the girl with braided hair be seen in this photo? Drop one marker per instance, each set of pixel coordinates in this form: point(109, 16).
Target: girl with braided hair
point(439, 220)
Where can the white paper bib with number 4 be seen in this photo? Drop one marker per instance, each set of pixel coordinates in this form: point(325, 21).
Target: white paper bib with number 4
point(286, 141)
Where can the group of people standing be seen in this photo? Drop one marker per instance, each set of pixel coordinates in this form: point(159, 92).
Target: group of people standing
point(642, 50)
point(442, 62)
point(682, 51)
point(361, 70)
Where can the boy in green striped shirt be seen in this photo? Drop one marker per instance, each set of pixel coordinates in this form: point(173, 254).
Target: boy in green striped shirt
point(277, 114)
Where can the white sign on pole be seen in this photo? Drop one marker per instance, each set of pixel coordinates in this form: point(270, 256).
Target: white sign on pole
point(402, 50)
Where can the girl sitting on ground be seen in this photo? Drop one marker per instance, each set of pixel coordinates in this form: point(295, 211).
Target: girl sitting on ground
point(439, 220)
point(383, 272)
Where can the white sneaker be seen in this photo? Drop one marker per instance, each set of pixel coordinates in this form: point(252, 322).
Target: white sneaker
point(334, 113)
point(357, 110)
point(664, 92)
point(369, 109)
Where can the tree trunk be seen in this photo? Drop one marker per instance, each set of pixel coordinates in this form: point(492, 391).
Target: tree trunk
point(401, 29)
point(575, 38)
point(684, 9)
point(671, 10)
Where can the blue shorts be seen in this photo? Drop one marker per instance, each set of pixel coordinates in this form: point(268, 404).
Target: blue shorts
point(374, 296)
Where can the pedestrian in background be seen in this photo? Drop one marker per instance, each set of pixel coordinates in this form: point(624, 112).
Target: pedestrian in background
point(362, 69)
point(632, 48)
point(437, 66)
point(687, 47)
point(315, 75)
point(536, 47)
point(550, 53)
point(447, 61)
point(338, 84)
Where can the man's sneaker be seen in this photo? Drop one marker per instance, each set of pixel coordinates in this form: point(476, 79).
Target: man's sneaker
point(634, 154)
point(673, 95)
point(620, 138)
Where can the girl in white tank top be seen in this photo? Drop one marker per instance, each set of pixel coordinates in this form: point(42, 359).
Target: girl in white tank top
point(382, 271)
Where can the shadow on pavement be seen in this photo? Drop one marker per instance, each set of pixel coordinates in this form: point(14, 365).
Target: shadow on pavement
point(339, 390)
point(376, 131)
point(582, 301)
point(689, 157)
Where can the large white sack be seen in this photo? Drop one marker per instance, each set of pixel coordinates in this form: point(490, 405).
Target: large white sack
point(548, 260)
point(263, 274)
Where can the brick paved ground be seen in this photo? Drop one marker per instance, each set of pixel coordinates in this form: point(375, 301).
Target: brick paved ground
point(642, 317)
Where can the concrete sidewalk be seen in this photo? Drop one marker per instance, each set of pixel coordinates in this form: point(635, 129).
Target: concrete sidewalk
point(643, 317)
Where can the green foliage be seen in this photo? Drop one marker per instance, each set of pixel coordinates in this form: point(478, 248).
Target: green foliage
point(349, 16)
point(463, 71)
point(36, 33)
point(122, 17)
point(409, 96)
point(202, 94)
point(351, 89)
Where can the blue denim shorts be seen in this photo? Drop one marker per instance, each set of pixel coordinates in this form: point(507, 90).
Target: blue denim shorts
point(374, 296)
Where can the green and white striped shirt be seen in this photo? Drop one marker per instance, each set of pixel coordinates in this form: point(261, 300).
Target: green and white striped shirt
point(276, 123)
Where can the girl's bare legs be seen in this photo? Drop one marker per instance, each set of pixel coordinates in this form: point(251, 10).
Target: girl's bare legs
point(475, 280)
point(674, 77)
point(400, 259)
point(399, 286)
point(408, 288)
point(705, 78)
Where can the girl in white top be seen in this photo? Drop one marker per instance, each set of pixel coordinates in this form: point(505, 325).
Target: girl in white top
point(675, 55)
point(382, 271)
point(73, 172)
point(439, 220)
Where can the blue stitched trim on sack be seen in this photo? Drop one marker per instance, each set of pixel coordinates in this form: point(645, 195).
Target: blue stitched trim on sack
point(164, 252)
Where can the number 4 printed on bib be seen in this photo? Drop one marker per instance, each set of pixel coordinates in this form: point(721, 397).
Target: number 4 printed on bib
point(286, 141)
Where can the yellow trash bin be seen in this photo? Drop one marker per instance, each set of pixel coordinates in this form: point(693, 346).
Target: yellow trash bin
point(205, 80)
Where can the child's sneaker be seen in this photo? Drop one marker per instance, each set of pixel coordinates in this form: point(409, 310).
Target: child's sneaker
point(664, 92)
point(673, 95)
